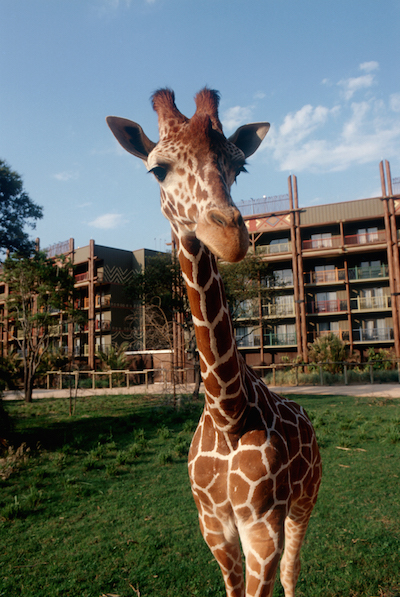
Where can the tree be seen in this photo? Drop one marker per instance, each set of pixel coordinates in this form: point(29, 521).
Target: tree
point(163, 308)
point(16, 211)
point(329, 351)
point(40, 290)
point(247, 285)
point(245, 281)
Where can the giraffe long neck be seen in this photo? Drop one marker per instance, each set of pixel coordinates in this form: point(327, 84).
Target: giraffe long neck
point(222, 366)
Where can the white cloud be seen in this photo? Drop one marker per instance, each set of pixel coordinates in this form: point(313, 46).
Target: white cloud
point(66, 175)
point(298, 125)
point(369, 66)
point(394, 102)
point(311, 139)
point(235, 117)
point(107, 221)
point(353, 84)
point(322, 139)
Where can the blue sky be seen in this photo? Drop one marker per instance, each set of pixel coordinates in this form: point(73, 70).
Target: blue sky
point(325, 74)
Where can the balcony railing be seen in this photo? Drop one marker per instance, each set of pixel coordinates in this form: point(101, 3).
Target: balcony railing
point(322, 243)
point(81, 277)
point(278, 248)
point(248, 341)
point(365, 238)
point(282, 339)
point(332, 306)
point(372, 303)
point(102, 301)
point(323, 277)
point(373, 335)
point(342, 334)
point(365, 273)
point(362, 238)
point(104, 326)
point(277, 310)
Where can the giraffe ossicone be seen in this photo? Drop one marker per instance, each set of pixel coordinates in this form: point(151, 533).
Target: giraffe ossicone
point(254, 463)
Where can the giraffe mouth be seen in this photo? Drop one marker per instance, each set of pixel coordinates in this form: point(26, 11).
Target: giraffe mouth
point(224, 233)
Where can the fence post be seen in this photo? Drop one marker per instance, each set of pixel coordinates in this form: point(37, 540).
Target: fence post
point(93, 380)
point(76, 379)
point(274, 374)
point(60, 381)
point(146, 378)
point(127, 380)
point(48, 381)
point(345, 375)
point(297, 375)
point(321, 377)
point(110, 384)
point(371, 374)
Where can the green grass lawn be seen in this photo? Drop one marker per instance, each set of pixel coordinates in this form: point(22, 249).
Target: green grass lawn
point(100, 502)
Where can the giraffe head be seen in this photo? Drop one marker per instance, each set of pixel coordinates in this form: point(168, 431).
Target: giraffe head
point(195, 166)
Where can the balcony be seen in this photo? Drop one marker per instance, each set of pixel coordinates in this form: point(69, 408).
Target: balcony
point(366, 273)
point(344, 335)
point(282, 339)
point(365, 238)
point(81, 303)
point(279, 310)
point(322, 243)
point(331, 306)
point(326, 276)
point(248, 341)
point(373, 335)
point(104, 326)
point(371, 303)
point(81, 277)
point(102, 301)
point(275, 248)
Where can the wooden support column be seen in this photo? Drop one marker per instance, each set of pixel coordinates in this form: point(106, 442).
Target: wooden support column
point(295, 269)
point(349, 319)
point(71, 323)
point(91, 342)
point(395, 246)
point(299, 251)
point(391, 265)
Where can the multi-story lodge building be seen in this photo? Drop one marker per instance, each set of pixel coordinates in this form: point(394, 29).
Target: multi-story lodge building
point(101, 274)
point(337, 269)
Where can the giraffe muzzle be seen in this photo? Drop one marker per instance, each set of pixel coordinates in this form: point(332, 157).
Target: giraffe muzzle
point(224, 233)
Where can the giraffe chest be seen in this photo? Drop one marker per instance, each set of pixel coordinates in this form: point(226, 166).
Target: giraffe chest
point(232, 475)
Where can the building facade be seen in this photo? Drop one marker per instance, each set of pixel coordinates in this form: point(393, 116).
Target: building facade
point(101, 274)
point(336, 269)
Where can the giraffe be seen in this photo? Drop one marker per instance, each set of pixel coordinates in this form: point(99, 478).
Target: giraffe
point(254, 463)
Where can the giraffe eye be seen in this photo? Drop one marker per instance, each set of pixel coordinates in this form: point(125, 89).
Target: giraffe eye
point(160, 172)
point(239, 170)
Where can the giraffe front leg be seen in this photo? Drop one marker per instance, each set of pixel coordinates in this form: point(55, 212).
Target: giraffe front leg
point(225, 547)
point(262, 544)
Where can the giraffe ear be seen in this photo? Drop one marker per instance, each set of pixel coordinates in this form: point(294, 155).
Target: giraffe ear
point(131, 136)
point(249, 136)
